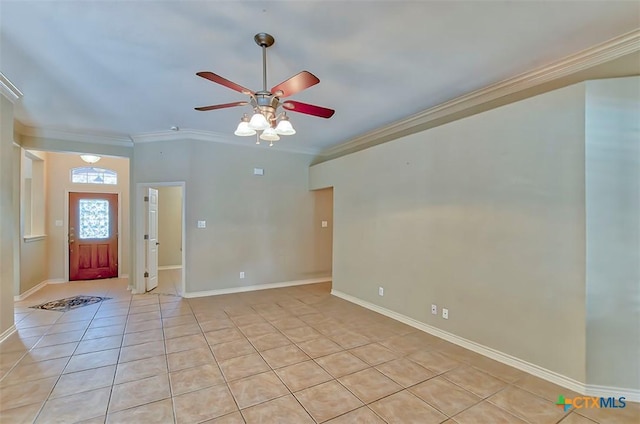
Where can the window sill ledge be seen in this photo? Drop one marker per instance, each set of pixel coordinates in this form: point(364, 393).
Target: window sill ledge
point(30, 239)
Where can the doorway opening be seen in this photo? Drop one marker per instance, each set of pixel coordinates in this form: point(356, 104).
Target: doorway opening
point(160, 246)
point(323, 229)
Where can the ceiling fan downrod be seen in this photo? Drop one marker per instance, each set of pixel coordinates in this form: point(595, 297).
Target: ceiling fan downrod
point(264, 40)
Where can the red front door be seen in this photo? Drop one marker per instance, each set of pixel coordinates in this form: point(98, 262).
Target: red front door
point(93, 236)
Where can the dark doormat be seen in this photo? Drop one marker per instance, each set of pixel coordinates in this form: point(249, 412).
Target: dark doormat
point(69, 303)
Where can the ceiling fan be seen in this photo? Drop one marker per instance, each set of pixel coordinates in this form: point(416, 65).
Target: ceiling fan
point(265, 103)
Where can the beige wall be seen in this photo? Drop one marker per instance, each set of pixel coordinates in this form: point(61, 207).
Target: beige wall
point(8, 218)
point(33, 252)
point(263, 226)
point(483, 216)
point(33, 264)
point(613, 232)
point(170, 226)
point(17, 152)
point(59, 167)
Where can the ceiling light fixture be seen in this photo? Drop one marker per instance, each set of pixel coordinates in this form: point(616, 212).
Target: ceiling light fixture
point(244, 129)
point(90, 158)
point(284, 127)
point(259, 121)
point(265, 104)
point(269, 134)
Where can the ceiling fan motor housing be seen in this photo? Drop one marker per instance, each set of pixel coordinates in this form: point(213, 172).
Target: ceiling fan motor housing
point(267, 104)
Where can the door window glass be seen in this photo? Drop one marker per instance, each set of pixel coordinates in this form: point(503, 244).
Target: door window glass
point(94, 219)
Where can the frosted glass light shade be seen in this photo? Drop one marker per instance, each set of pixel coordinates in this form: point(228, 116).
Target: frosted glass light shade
point(243, 129)
point(284, 127)
point(90, 158)
point(269, 135)
point(258, 122)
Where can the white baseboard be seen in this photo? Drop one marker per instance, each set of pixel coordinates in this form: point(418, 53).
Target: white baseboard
point(6, 333)
point(29, 292)
point(162, 268)
point(632, 395)
point(551, 376)
point(32, 290)
point(124, 276)
point(255, 287)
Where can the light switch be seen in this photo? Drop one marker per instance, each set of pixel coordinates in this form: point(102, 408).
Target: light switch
point(258, 171)
point(202, 224)
point(58, 223)
point(325, 224)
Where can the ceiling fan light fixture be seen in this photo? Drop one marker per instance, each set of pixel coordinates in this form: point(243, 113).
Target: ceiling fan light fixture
point(266, 123)
point(258, 122)
point(284, 126)
point(243, 129)
point(269, 135)
point(90, 158)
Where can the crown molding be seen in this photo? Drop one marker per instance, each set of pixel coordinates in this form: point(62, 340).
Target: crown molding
point(593, 56)
point(182, 134)
point(76, 136)
point(9, 90)
point(151, 137)
point(210, 136)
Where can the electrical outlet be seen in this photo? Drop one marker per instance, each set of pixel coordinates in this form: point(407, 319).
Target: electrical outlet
point(241, 274)
point(380, 291)
point(434, 309)
point(445, 313)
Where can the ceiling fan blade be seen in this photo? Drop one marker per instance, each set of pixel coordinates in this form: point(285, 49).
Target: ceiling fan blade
point(222, 106)
point(314, 110)
point(295, 84)
point(223, 81)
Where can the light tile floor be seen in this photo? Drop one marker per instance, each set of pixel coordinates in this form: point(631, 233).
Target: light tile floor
point(169, 282)
point(293, 355)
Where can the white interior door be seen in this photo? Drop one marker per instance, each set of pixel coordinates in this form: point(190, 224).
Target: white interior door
point(151, 274)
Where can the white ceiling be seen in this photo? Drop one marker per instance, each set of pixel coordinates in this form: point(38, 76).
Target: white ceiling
point(128, 67)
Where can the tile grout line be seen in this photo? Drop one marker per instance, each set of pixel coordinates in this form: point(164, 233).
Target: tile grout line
point(48, 398)
point(62, 372)
point(173, 406)
point(115, 372)
point(278, 376)
point(113, 383)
